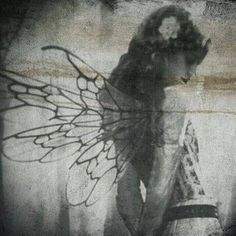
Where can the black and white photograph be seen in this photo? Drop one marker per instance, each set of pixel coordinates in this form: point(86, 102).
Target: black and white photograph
point(118, 118)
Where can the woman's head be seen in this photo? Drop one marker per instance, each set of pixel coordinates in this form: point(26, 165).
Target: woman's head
point(170, 30)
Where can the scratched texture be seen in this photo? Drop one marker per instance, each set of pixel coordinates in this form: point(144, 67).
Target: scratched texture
point(32, 195)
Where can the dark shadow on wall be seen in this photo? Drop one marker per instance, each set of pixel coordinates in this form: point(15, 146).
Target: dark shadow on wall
point(13, 14)
point(2, 223)
point(11, 19)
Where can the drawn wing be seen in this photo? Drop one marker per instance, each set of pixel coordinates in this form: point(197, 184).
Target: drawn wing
point(95, 126)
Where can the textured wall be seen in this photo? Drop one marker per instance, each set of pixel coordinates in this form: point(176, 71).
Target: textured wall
point(33, 194)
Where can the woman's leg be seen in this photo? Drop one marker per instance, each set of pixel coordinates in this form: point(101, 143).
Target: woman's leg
point(160, 188)
point(129, 199)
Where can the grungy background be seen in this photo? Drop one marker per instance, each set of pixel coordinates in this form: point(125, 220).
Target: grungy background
point(32, 195)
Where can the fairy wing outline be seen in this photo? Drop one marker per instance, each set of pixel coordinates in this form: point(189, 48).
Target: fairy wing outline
point(91, 125)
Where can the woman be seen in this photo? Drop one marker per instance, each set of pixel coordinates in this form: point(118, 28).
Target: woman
point(162, 56)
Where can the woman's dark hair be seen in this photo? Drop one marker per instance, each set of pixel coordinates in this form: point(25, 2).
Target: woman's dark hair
point(143, 65)
point(148, 39)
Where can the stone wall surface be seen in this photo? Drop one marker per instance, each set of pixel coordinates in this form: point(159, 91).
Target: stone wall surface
point(33, 193)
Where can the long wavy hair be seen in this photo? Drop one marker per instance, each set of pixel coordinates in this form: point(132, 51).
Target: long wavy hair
point(148, 39)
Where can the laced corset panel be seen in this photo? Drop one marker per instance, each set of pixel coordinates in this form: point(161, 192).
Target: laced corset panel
point(188, 185)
